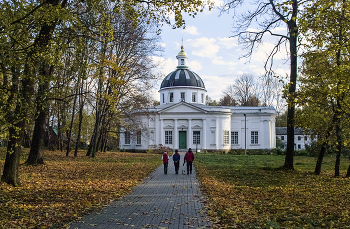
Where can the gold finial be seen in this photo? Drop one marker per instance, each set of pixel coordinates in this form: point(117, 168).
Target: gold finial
point(182, 46)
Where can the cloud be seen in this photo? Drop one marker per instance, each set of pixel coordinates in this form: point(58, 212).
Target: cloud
point(165, 65)
point(228, 42)
point(190, 30)
point(217, 85)
point(194, 65)
point(204, 47)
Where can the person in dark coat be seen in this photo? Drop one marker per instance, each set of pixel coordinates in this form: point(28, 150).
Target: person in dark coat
point(176, 159)
point(165, 159)
point(189, 158)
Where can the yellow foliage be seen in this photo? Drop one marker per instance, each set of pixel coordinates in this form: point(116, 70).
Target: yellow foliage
point(66, 188)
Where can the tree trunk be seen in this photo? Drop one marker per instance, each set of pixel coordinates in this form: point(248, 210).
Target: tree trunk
point(10, 173)
point(81, 104)
point(322, 152)
point(71, 123)
point(348, 172)
point(338, 147)
point(288, 163)
point(35, 154)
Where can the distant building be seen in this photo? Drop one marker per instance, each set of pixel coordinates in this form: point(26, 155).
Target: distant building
point(301, 139)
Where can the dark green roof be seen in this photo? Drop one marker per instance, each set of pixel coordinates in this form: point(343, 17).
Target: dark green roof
point(182, 78)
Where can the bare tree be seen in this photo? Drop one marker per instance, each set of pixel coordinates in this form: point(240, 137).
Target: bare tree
point(244, 91)
point(268, 15)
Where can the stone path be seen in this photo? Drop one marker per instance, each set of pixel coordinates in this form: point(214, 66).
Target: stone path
point(160, 201)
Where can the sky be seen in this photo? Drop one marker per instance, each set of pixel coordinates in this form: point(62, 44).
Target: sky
point(213, 53)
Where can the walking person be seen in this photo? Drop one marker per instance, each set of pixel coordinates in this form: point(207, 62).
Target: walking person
point(189, 158)
point(176, 159)
point(165, 159)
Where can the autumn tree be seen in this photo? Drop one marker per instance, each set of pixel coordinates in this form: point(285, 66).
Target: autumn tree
point(227, 101)
point(267, 15)
point(326, 26)
point(30, 46)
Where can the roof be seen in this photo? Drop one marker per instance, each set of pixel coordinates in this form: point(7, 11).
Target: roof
point(283, 131)
point(182, 78)
point(207, 108)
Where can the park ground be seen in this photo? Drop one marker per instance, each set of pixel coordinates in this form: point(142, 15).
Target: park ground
point(242, 191)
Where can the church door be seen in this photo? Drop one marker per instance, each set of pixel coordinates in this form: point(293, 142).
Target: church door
point(182, 140)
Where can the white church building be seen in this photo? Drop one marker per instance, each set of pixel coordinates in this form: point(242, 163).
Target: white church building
point(183, 120)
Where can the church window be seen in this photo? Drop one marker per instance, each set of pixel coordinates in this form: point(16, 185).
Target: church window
point(299, 138)
point(182, 96)
point(202, 98)
point(212, 138)
point(196, 137)
point(226, 137)
point(234, 138)
point(182, 61)
point(193, 97)
point(254, 137)
point(163, 97)
point(282, 138)
point(299, 146)
point(305, 138)
point(127, 137)
point(168, 137)
point(138, 137)
point(171, 97)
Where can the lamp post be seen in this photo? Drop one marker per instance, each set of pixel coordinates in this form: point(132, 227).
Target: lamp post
point(245, 134)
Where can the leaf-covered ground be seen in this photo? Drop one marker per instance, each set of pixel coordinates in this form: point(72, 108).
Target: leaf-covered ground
point(64, 189)
point(246, 192)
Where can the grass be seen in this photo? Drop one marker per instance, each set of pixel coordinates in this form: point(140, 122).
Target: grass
point(64, 189)
point(249, 192)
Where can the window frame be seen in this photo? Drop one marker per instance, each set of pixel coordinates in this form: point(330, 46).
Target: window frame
point(138, 138)
point(254, 137)
point(184, 96)
point(234, 137)
point(194, 95)
point(127, 138)
point(171, 97)
point(168, 137)
point(226, 137)
point(196, 137)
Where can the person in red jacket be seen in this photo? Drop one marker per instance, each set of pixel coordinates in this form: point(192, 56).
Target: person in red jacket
point(165, 159)
point(189, 158)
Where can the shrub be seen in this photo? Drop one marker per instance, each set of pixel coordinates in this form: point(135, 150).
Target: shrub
point(160, 149)
point(301, 153)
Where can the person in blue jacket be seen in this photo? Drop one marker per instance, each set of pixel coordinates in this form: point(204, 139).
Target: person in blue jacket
point(176, 159)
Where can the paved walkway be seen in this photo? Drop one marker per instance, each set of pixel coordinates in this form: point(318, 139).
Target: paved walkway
point(160, 201)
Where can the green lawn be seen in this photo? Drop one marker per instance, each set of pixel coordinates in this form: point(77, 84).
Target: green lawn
point(248, 192)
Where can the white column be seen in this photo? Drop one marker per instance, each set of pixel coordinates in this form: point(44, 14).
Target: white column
point(204, 134)
point(176, 135)
point(189, 134)
point(161, 132)
point(267, 135)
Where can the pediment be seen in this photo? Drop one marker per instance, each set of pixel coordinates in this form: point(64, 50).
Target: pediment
point(183, 107)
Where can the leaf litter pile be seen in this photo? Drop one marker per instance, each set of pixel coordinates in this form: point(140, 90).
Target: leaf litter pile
point(64, 188)
point(246, 192)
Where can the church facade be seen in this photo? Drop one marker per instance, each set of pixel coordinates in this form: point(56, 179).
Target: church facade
point(182, 120)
